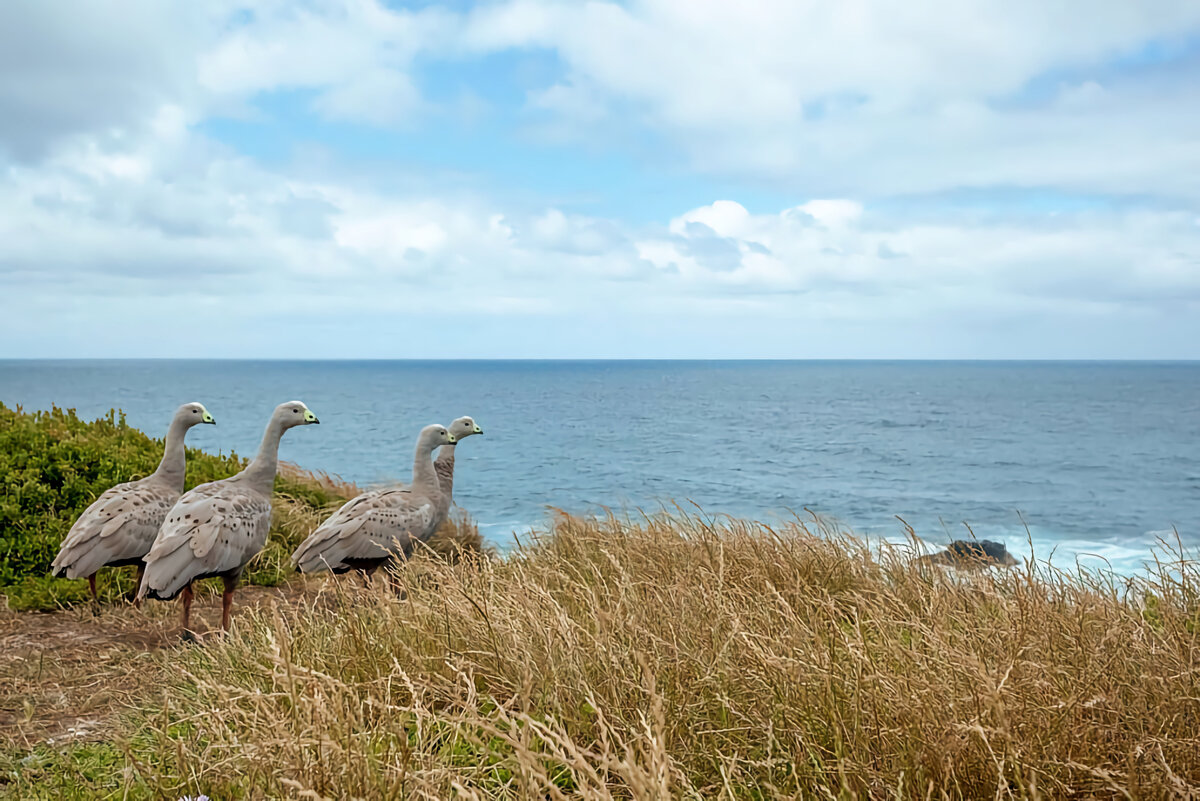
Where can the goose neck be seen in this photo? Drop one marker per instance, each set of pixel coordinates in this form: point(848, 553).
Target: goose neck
point(261, 471)
point(444, 467)
point(424, 476)
point(173, 467)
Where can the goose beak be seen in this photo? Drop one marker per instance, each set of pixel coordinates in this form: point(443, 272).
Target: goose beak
point(478, 430)
point(450, 439)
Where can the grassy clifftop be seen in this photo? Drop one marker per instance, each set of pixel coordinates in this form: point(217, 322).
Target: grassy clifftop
point(673, 658)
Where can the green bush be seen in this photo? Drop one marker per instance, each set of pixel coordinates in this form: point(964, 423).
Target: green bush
point(54, 464)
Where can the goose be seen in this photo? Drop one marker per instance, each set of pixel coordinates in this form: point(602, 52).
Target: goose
point(380, 525)
point(218, 527)
point(118, 528)
point(443, 465)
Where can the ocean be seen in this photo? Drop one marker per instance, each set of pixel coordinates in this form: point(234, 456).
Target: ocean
point(1098, 460)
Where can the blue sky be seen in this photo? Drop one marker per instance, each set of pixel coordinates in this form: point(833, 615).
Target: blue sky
point(531, 178)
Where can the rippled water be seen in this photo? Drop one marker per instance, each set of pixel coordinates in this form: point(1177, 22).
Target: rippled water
point(1099, 458)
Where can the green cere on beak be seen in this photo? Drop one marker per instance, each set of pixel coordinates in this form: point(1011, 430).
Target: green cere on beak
point(208, 418)
point(309, 417)
point(478, 430)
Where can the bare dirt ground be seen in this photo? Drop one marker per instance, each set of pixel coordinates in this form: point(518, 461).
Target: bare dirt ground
point(67, 674)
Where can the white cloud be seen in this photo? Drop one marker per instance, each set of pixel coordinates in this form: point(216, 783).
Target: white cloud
point(725, 217)
point(80, 68)
point(865, 99)
point(125, 231)
point(833, 213)
point(823, 246)
point(872, 98)
point(392, 236)
point(356, 55)
point(116, 237)
point(381, 97)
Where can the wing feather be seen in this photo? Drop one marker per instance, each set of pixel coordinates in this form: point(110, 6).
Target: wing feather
point(373, 525)
point(216, 528)
point(119, 525)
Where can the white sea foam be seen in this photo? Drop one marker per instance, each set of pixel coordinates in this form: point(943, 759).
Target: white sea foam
point(509, 534)
point(1047, 548)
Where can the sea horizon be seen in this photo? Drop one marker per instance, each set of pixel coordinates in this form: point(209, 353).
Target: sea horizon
point(604, 359)
point(1088, 452)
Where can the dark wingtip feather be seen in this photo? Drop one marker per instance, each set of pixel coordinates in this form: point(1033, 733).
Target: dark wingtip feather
point(158, 596)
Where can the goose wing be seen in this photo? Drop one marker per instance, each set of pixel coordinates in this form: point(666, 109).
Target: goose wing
point(119, 525)
point(373, 525)
point(216, 528)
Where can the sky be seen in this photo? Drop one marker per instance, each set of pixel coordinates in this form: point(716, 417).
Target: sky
point(596, 179)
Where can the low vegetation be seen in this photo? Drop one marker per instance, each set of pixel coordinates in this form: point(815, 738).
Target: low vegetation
point(676, 657)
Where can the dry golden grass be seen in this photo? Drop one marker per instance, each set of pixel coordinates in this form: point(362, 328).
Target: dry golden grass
point(685, 658)
point(331, 484)
point(458, 539)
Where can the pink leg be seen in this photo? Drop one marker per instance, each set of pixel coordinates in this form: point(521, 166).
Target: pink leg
point(227, 602)
point(141, 571)
point(188, 595)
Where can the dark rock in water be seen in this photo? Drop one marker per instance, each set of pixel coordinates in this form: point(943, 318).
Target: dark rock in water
point(972, 553)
